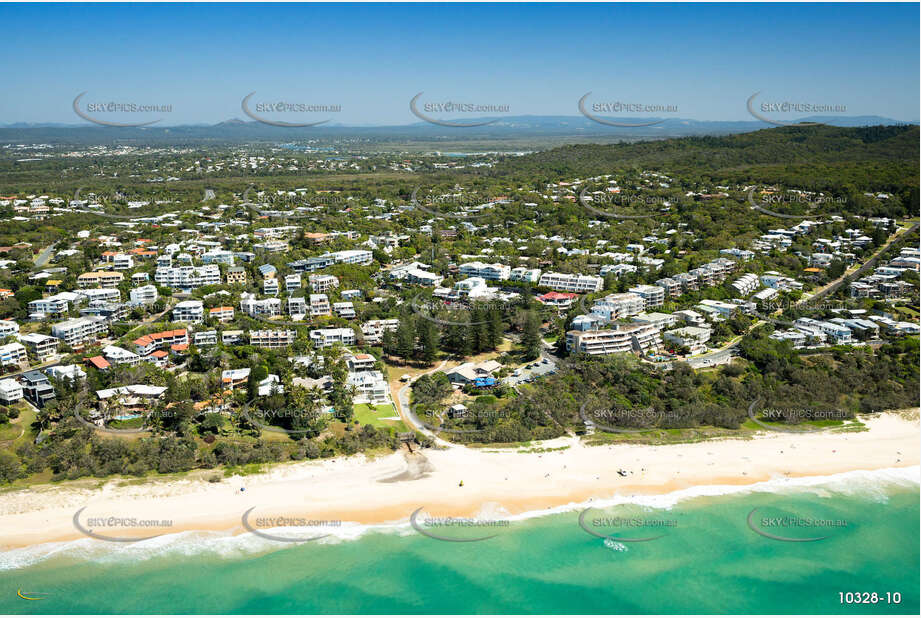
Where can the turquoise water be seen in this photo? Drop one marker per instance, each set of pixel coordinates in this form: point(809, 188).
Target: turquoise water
point(708, 560)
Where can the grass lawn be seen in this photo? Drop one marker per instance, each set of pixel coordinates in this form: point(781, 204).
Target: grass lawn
point(19, 430)
point(366, 414)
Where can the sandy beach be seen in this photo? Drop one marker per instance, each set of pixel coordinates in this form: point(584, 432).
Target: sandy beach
point(388, 489)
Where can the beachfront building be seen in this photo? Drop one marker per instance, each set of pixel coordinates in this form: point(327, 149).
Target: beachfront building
point(641, 338)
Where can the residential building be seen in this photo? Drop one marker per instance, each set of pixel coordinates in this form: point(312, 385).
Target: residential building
point(266, 307)
point(297, 307)
point(325, 337)
point(144, 295)
point(192, 311)
point(221, 314)
point(319, 305)
point(204, 338)
point(345, 310)
point(187, 278)
point(40, 347)
point(652, 295)
point(12, 355)
point(99, 279)
point(641, 338)
point(571, 283)
point(292, 283)
point(236, 275)
point(321, 283)
point(272, 339)
point(79, 331)
point(37, 388)
point(10, 391)
point(490, 272)
point(528, 275)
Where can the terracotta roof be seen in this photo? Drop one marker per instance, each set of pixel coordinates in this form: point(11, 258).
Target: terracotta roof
point(98, 362)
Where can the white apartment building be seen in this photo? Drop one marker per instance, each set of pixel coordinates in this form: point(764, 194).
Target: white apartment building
point(221, 314)
point(528, 275)
point(79, 331)
point(344, 309)
point(146, 294)
point(319, 305)
point(641, 338)
point(109, 295)
point(292, 282)
point(373, 330)
point(490, 272)
point(266, 307)
point(40, 347)
point(297, 306)
point(615, 306)
point(205, 337)
point(322, 283)
point(652, 295)
point(12, 354)
point(273, 339)
point(8, 327)
point(746, 284)
point(270, 285)
point(837, 333)
point(352, 256)
point(325, 337)
point(188, 278)
point(53, 305)
point(10, 391)
point(571, 283)
point(192, 311)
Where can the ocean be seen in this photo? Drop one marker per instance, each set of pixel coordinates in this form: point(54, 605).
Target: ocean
point(816, 545)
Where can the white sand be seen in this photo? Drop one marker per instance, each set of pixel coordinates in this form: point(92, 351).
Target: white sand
point(355, 489)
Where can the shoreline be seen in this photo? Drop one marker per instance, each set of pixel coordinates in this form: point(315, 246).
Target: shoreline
point(501, 483)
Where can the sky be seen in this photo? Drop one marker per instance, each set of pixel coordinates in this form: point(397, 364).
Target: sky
point(705, 60)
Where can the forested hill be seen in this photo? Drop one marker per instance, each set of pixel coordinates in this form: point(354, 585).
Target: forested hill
point(822, 156)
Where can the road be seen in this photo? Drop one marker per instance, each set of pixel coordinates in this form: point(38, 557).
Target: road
point(401, 401)
point(870, 263)
point(42, 258)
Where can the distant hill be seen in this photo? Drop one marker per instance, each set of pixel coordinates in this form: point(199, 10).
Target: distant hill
point(882, 158)
point(235, 130)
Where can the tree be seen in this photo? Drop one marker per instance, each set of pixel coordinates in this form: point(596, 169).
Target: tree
point(430, 339)
point(531, 339)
